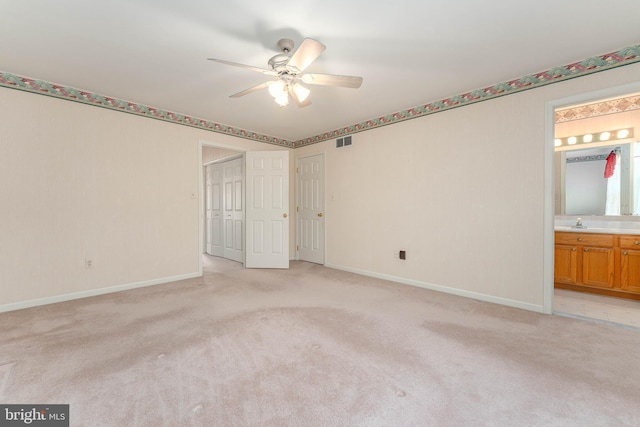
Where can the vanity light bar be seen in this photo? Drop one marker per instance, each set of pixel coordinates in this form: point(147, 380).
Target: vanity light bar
point(609, 135)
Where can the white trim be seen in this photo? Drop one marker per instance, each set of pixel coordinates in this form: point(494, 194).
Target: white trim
point(549, 211)
point(93, 292)
point(226, 159)
point(201, 216)
point(296, 188)
point(229, 147)
point(445, 289)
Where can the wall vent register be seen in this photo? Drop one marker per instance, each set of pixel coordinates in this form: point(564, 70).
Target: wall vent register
point(343, 142)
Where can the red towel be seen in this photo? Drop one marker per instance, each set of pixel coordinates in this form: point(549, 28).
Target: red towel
point(611, 165)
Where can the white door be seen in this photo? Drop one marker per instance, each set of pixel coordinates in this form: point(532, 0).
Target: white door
point(233, 210)
point(310, 215)
point(267, 210)
point(213, 198)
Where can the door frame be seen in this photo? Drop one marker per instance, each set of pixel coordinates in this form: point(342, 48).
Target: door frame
point(204, 198)
point(549, 178)
point(297, 202)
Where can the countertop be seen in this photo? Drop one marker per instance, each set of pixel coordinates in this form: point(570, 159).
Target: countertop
point(599, 230)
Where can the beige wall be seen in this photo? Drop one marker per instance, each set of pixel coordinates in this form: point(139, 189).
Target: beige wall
point(462, 191)
point(79, 182)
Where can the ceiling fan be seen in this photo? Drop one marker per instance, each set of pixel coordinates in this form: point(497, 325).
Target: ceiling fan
point(287, 68)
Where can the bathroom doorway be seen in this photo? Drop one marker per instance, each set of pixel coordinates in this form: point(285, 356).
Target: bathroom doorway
point(586, 130)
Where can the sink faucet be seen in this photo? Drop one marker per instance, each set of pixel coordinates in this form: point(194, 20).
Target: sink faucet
point(579, 223)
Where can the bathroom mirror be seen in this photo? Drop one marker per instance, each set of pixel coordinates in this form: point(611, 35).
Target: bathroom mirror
point(585, 136)
point(581, 186)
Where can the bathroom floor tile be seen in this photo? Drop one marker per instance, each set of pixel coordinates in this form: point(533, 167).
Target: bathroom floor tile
point(609, 309)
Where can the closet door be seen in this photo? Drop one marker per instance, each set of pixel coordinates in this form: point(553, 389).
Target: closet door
point(233, 172)
point(214, 212)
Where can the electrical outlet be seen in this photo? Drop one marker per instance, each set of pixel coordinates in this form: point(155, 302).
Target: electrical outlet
point(403, 254)
point(88, 263)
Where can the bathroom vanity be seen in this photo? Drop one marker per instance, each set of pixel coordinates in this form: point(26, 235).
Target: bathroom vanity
point(598, 260)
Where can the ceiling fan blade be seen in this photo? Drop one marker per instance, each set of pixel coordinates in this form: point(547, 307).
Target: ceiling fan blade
point(332, 80)
point(248, 67)
point(251, 89)
point(306, 53)
point(301, 104)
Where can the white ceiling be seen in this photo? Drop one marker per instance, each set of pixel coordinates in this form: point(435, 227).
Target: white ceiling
point(153, 52)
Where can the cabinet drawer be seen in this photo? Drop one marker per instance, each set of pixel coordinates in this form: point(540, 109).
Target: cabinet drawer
point(630, 242)
point(586, 239)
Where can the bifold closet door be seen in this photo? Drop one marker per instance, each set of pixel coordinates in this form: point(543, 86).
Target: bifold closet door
point(213, 203)
point(233, 176)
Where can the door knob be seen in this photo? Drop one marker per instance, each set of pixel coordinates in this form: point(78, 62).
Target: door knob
point(320, 215)
point(636, 242)
point(284, 215)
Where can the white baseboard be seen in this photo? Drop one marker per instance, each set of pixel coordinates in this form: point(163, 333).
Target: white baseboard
point(92, 292)
point(445, 289)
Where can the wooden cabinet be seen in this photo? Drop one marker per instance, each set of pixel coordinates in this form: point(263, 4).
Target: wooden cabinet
point(600, 263)
point(566, 264)
point(598, 266)
point(630, 263)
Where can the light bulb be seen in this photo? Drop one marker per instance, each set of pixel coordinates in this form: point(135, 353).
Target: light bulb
point(557, 142)
point(587, 138)
point(604, 136)
point(301, 92)
point(623, 133)
point(276, 88)
point(282, 99)
point(572, 140)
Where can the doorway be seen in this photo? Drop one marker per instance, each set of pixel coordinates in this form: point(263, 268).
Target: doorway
point(257, 186)
point(560, 302)
point(224, 205)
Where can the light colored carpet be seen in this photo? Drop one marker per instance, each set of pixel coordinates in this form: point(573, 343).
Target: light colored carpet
point(313, 346)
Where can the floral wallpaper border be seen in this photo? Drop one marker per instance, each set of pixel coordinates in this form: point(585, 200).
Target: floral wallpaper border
point(626, 56)
point(44, 88)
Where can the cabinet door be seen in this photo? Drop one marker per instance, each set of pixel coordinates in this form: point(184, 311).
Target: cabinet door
point(566, 264)
point(630, 277)
point(598, 267)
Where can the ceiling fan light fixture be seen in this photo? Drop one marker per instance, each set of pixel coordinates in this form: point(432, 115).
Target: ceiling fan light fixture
point(276, 88)
point(282, 99)
point(287, 67)
point(301, 92)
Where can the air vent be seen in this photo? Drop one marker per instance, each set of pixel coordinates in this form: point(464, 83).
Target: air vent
point(343, 142)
